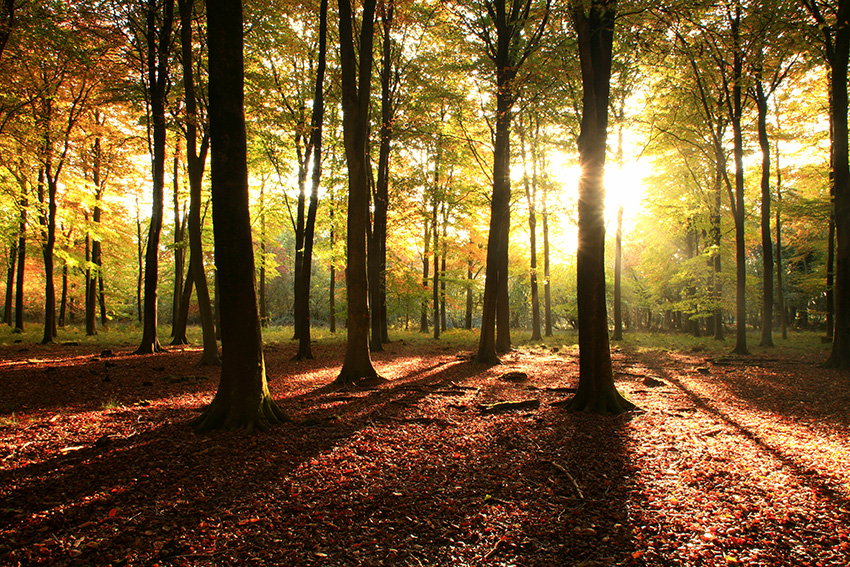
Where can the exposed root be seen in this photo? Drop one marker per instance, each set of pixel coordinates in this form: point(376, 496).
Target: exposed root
point(610, 402)
point(219, 416)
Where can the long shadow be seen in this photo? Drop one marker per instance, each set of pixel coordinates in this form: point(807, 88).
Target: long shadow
point(811, 477)
point(157, 490)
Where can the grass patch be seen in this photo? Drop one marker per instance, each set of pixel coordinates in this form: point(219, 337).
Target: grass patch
point(111, 404)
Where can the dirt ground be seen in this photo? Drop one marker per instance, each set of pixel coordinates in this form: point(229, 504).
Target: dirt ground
point(727, 462)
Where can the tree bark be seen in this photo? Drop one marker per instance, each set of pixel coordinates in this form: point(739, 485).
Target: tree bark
point(195, 160)
point(596, 390)
point(378, 258)
point(242, 400)
point(766, 237)
point(158, 48)
point(302, 309)
point(357, 369)
point(840, 355)
point(10, 281)
point(738, 210)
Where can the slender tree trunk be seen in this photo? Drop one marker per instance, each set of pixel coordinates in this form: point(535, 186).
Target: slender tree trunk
point(426, 266)
point(196, 159)
point(158, 43)
point(436, 286)
point(469, 302)
point(766, 238)
point(49, 223)
point(739, 212)
point(618, 271)
point(378, 258)
point(547, 289)
point(242, 399)
point(443, 322)
point(780, 296)
point(332, 277)
point(303, 308)
point(182, 321)
point(264, 312)
point(357, 369)
point(10, 281)
point(596, 389)
point(141, 266)
point(531, 198)
point(179, 233)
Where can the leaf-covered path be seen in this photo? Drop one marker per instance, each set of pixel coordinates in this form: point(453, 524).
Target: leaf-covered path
point(728, 462)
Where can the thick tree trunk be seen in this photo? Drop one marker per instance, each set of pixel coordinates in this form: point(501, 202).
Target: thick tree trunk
point(766, 237)
point(840, 355)
point(496, 278)
point(596, 390)
point(242, 400)
point(158, 43)
point(357, 369)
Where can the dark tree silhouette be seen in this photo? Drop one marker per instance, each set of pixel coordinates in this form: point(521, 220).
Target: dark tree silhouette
point(596, 389)
point(357, 367)
point(242, 399)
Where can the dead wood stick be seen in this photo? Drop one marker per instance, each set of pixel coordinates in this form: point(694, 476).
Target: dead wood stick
point(564, 470)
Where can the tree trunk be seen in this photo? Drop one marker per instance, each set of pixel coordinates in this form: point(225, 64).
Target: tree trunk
point(780, 296)
point(140, 258)
point(378, 259)
point(443, 322)
point(840, 356)
point(496, 278)
point(596, 390)
point(332, 275)
point(49, 224)
point(10, 281)
point(436, 196)
point(738, 209)
point(766, 237)
point(426, 266)
point(242, 400)
point(468, 316)
point(303, 307)
point(531, 198)
point(264, 312)
point(357, 369)
point(547, 289)
point(182, 321)
point(158, 44)
point(179, 232)
point(196, 160)
point(618, 271)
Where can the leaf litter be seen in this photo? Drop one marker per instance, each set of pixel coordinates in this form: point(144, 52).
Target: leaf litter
point(724, 464)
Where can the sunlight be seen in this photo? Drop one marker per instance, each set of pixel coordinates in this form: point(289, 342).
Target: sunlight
point(622, 187)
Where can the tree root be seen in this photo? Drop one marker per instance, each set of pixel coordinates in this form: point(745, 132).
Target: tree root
point(610, 402)
point(220, 415)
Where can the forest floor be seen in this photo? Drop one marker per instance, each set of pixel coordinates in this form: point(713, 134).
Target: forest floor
point(728, 461)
